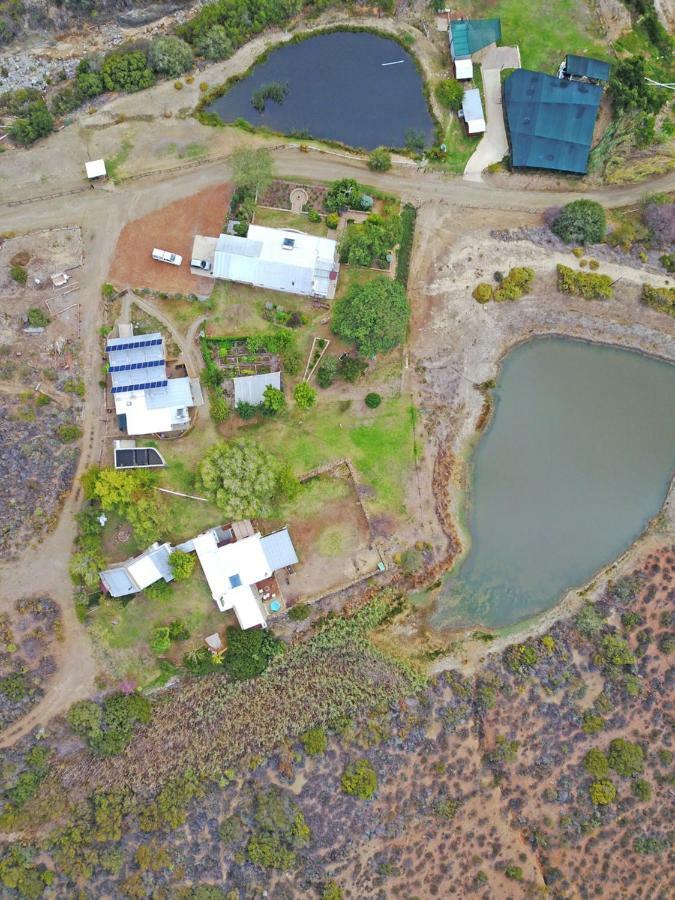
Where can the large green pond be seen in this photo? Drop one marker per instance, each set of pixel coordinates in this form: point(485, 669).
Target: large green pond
point(577, 459)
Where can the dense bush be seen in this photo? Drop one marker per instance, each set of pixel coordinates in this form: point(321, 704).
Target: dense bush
point(304, 395)
point(628, 88)
point(315, 741)
point(625, 758)
point(662, 299)
point(327, 371)
point(359, 779)
point(517, 283)
point(170, 56)
point(351, 368)
point(595, 763)
point(109, 729)
point(274, 401)
point(214, 43)
point(373, 315)
point(584, 284)
point(602, 792)
point(68, 433)
point(372, 240)
point(580, 222)
point(127, 72)
point(182, 564)
point(450, 93)
point(37, 122)
point(344, 194)
point(249, 652)
point(379, 160)
point(37, 318)
point(332, 221)
point(281, 830)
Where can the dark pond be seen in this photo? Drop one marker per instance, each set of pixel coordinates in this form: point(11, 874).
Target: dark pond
point(338, 90)
point(577, 459)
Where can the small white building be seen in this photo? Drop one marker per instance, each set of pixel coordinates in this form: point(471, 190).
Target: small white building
point(234, 567)
point(274, 258)
point(472, 112)
point(135, 574)
point(95, 169)
point(251, 388)
point(147, 401)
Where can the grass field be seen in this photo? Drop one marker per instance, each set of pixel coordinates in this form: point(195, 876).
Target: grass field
point(281, 218)
point(545, 30)
point(350, 275)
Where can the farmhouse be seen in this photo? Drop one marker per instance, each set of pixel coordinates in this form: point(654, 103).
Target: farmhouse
point(147, 401)
point(468, 36)
point(136, 574)
point(273, 258)
point(550, 120)
point(239, 567)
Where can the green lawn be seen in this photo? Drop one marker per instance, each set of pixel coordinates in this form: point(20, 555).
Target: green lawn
point(460, 147)
point(350, 275)
point(281, 218)
point(379, 443)
point(545, 30)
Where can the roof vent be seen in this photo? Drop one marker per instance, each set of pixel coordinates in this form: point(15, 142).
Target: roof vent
point(235, 581)
point(288, 243)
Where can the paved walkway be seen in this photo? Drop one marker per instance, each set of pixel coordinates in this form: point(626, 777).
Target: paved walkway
point(494, 145)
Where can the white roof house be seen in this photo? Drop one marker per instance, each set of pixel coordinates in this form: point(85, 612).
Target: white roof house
point(278, 259)
point(147, 401)
point(95, 168)
point(472, 110)
point(232, 569)
point(136, 574)
point(251, 388)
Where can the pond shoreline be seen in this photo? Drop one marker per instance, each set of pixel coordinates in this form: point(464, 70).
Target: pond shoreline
point(481, 361)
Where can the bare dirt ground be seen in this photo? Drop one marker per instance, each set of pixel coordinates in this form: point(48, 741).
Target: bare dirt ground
point(172, 228)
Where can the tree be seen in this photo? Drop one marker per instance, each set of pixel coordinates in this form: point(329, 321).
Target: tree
point(249, 652)
point(242, 478)
point(595, 763)
point(169, 55)
point(450, 93)
point(351, 368)
point(304, 395)
point(343, 194)
point(85, 565)
point(182, 564)
point(628, 88)
point(373, 400)
point(371, 240)
point(274, 401)
point(580, 222)
point(327, 371)
point(625, 758)
point(602, 792)
point(38, 122)
point(214, 43)
point(359, 779)
point(373, 315)
point(252, 170)
point(379, 160)
point(130, 493)
point(126, 72)
point(85, 718)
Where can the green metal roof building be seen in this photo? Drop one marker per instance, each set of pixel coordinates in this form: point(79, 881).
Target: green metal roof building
point(586, 67)
point(471, 35)
point(550, 121)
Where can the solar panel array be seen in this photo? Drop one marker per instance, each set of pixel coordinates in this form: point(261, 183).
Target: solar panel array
point(132, 345)
point(128, 367)
point(125, 388)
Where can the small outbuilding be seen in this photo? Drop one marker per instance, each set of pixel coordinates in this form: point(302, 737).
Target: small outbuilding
point(472, 112)
point(585, 68)
point(251, 388)
point(134, 575)
point(95, 169)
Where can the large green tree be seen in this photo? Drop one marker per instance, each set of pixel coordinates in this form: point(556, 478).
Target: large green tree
point(131, 494)
point(581, 222)
point(127, 72)
point(373, 315)
point(243, 478)
point(252, 170)
point(169, 55)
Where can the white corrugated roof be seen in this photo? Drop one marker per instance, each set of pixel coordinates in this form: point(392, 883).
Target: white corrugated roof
point(95, 168)
point(463, 69)
point(473, 111)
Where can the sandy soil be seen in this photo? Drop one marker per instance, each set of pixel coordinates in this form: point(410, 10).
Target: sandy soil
point(172, 228)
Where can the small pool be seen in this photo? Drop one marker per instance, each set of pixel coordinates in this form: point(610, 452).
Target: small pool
point(275, 606)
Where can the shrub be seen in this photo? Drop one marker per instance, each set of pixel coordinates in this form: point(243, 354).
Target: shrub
point(450, 93)
point(214, 43)
point(520, 657)
point(514, 872)
point(668, 262)
point(483, 292)
point(580, 222)
point(314, 741)
point(170, 56)
point(274, 401)
point(625, 758)
point(359, 779)
point(614, 651)
point(292, 360)
point(642, 790)
point(36, 122)
point(37, 318)
point(602, 792)
point(314, 216)
point(246, 410)
point(331, 891)
point(373, 315)
point(304, 395)
point(178, 85)
point(68, 433)
point(249, 652)
point(379, 160)
point(218, 407)
point(595, 763)
point(592, 723)
point(299, 612)
point(373, 400)
point(18, 274)
point(128, 72)
point(332, 221)
point(517, 282)
point(161, 639)
point(327, 371)
point(662, 299)
point(351, 368)
point(178, 630)
point(182, 564)
point(584, 284)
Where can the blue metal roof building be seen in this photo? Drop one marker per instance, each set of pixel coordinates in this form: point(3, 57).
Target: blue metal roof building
point(550, 121)
point(586, 67)
point(468, 36)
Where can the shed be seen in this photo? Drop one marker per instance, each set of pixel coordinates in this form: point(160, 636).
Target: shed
point(468, 36)
point(550, 120)
point(472, 110)
point(586, 67)
point(251, 388)
point(463, 69)
point(96, 169)
point(279, 549)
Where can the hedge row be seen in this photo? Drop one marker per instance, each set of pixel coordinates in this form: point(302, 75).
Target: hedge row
point(408, 220)
point(584, 284)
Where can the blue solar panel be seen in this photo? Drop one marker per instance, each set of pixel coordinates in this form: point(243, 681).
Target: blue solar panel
point(129, 367)
point(131, 345)
point(125, 388)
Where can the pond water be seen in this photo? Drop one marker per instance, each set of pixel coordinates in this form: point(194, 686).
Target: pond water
point(338, 89)
point(577, 458)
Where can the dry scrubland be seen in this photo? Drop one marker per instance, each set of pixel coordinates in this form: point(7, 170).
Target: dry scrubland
point(481, 790)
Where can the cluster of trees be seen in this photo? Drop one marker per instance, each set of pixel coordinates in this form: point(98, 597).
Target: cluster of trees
point(281, 830)
point(131, 494)
point(345, 194)
point(372, 240)
point(626, 760)
point(450, 93)
point(220, 27)
point(245, 480)
point(32, 118)
point(373, 315)
point(109, 728)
